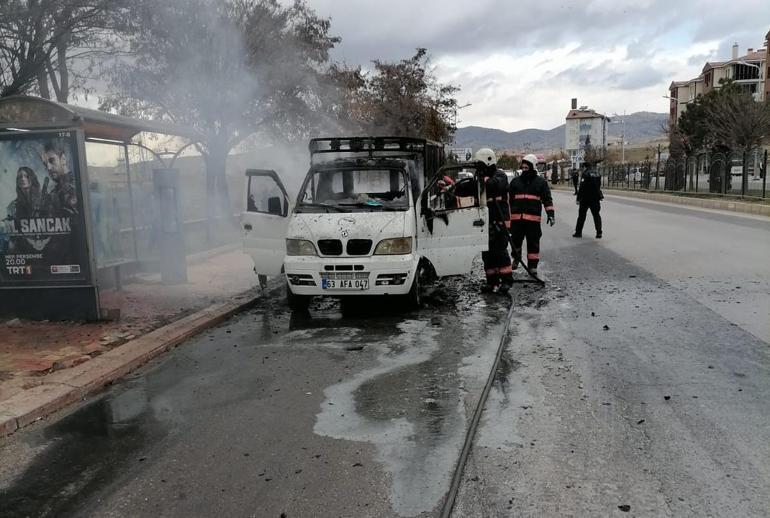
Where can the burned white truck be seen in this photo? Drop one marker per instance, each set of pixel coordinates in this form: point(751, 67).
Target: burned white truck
point(374, 216)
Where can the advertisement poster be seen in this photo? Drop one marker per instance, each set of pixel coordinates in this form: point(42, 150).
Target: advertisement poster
point(42, 225)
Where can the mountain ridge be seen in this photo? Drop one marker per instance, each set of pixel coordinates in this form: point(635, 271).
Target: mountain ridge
point(640, 127)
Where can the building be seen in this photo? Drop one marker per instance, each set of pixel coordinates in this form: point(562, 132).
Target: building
point(749, 71)
point(581, 124)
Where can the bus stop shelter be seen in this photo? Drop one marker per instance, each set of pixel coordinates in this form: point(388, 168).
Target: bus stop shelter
point(84, 196)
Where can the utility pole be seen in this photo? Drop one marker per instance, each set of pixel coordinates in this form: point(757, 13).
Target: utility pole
point(622, 135)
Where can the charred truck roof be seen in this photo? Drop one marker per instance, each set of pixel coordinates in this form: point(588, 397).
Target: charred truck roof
point(423, 157)
point(360, 163)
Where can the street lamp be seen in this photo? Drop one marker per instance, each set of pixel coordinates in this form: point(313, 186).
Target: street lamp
point(458, 108)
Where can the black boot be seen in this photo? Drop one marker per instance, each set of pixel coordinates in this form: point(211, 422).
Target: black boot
point(599, 235)
point(577, 234)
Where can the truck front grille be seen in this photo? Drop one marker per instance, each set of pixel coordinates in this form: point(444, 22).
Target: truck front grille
point(359, 246)
point(330, 246)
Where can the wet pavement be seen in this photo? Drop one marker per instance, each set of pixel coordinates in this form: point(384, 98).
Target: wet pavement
point(354, 413)
point(626, 386)
point(630, 388)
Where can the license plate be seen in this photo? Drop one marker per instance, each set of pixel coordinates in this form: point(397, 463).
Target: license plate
point(342, 284)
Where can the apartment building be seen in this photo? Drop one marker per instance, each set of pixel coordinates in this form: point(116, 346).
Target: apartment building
point(749, 71)
point(582, 123)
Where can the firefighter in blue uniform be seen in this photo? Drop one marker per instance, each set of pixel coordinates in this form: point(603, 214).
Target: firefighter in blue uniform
point(529, 194)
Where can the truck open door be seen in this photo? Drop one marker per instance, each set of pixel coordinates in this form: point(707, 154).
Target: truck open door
point(452, 220)
point(265, 220)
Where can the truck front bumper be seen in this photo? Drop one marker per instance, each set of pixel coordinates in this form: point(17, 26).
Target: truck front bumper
point(387, 274)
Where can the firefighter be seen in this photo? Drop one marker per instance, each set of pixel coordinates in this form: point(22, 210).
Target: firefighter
point(529, 192)
point(497, 261)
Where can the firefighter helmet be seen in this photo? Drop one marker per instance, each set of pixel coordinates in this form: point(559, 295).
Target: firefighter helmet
point(486, 155)
point(531, 160)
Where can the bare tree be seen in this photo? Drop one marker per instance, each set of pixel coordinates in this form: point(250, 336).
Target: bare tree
point(406, 98)
point(40, 40)
point(740, 122)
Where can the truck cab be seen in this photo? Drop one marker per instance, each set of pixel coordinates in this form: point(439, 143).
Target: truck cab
point(369, 219)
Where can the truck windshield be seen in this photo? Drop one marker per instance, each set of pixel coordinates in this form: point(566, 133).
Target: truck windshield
point(354, 190)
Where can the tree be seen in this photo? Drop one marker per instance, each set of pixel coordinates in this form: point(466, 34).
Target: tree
point(720, 122)
point(225, 69)
point(401, 98)
point(741, 123)
point(41, 40)
point(506, 161)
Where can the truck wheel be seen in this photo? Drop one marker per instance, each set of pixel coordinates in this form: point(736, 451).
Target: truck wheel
point(298, 303)
point(414, 297)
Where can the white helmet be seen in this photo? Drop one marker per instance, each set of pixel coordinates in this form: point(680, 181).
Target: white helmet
point(532, 159)
point(486, 155)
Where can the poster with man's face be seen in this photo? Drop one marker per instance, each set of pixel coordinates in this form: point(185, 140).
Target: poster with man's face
point(42, 226)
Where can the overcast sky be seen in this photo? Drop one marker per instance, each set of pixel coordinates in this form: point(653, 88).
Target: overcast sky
point(519, 63)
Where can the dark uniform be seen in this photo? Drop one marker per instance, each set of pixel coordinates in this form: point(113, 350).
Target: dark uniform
point(589, 197)
point(529, 193)
point(497, 260)
point(575, 179)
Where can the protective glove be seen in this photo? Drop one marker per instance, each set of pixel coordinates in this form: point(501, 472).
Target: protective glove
point(551, 220)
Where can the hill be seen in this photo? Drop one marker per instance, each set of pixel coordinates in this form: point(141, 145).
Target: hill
point(640, 127)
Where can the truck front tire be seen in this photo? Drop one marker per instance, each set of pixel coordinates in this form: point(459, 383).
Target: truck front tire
point(414, 297)
point(298, 303)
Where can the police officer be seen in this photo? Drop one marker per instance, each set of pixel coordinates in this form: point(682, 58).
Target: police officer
point(529, 192)
point(497, 261)
point(589, 197)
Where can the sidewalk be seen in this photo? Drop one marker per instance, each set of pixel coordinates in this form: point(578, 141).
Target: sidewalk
point(759, 208)
point(31, 352)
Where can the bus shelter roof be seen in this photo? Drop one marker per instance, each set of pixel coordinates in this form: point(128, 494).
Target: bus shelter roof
point(29, 112)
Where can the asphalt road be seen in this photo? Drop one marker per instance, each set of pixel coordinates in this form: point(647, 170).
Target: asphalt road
point(634, 383)
point(646, 390)
point(361, 413)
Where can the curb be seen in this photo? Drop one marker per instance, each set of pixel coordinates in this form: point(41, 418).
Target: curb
point(757, 209)
point(61, 389)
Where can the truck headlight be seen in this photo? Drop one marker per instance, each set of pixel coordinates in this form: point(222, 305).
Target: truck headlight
point(394, 246)
point(300, 247)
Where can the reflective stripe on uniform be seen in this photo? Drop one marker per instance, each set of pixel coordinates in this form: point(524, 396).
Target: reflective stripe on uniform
point(505, 270)
point(549, 207)
point(526, 217)
point(526, 197)
point(533, 256)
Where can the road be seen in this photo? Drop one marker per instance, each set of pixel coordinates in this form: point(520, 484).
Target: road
point(632, 383)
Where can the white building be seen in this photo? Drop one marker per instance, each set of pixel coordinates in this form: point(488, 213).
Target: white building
point(581, 124)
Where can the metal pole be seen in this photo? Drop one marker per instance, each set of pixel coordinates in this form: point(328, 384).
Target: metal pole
point(697, 172)
point(725, 172)
point(623, 138)
point(628, 175)
point(657, 171)
point(131, 201)
point(744, 174)
point(764, 175)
